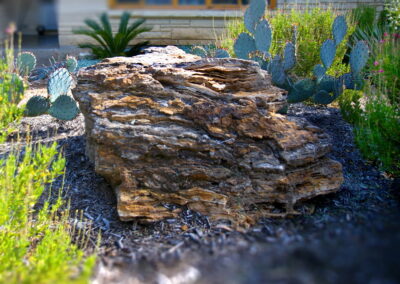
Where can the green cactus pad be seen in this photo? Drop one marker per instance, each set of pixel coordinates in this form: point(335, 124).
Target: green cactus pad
point(37, 105)
point(289, 56)
point(323, 97)
point(338, 88)
point(60, 82)
point(327, 83)
point(278, 75)
point(26, 62)
point(263, 36)
point(64, 108)
point(339, 29)
point(199, 51)
point(71, 64)
point(221, 53)
point(359, 57)
point(253, 14)
point(301, 91)
point(327, 53)
point(319, 71)
point(244, 45)
point(351, 81)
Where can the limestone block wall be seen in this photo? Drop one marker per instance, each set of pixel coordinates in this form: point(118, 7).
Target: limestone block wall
point(340, 5)
point(176, 27)
point(168, 26)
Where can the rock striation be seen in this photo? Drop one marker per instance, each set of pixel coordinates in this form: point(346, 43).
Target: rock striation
point(169, 129)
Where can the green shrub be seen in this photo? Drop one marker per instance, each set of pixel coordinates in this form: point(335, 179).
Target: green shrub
point(111, 45)
point(377, 133)
point(385, 68)
point(313, 28)
point(35, 244)
point(10, 95)
point(35, 238)
point(375, 112)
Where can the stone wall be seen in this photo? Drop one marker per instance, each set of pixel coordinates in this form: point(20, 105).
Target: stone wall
point(176, 27)
point(340, 5)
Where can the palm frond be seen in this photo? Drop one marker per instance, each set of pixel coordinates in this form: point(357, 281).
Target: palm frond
point(93, 35)
point(110, 44)
point(123, 25)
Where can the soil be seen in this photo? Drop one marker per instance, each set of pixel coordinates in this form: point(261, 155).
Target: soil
point(352, 236)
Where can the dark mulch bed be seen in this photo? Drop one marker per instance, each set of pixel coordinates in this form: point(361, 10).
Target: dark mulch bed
point(352, 237)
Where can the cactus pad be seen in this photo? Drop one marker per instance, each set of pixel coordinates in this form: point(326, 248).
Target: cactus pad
point(221, 53)
point(301, 91)
point(37, 105)
point(64, 108)
point(358, 57)
point(199, 51)
point(327, 53)
point(244, 45)
point(327, 83)
point(323, 97)
point(278, 75)
point(339, 29)
point(59, 84)
point(263, 36)
point(26, 62)
point(289, 59)
point(71, 64)
point(253, 14)
point(319, 71)
point(352, 81)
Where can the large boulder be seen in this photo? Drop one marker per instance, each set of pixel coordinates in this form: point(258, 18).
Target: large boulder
point(169, 129)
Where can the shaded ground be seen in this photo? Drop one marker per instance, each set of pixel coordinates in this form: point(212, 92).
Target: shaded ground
point(351, 237)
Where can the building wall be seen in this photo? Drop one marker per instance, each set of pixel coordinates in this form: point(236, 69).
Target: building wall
point(177, 27)
point(340, 5)
point(168, 26)
point(25, 13)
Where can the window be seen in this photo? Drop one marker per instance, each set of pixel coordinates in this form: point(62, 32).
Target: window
point(183, 4)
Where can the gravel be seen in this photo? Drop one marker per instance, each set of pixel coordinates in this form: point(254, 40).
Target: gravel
point(350, 237)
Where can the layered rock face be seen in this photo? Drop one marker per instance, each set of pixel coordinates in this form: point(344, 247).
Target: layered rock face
point(168, 129)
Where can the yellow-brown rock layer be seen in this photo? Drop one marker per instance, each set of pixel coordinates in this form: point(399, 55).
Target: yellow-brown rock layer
point(168, 129)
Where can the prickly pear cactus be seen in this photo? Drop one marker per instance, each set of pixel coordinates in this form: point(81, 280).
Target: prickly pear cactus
point(64, 108)
point(221, 53)
point(60, 82)
point(319, 71)
point(199, 51)
point(26, 62)
point(301, 91)
point(71, 64)
point(328, 53)
point(37, 105)
point(263, 37)
point(254, 14)
point(323, 97)
point(323, 89)
point(244, 46)
point(289, 56)
point(359, 57)
point(278, 76)
point(339, 29)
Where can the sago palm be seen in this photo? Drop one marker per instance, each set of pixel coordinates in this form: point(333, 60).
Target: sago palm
point(111, 45)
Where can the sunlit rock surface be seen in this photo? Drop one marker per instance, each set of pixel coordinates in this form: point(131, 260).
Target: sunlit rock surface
point(169, 129)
